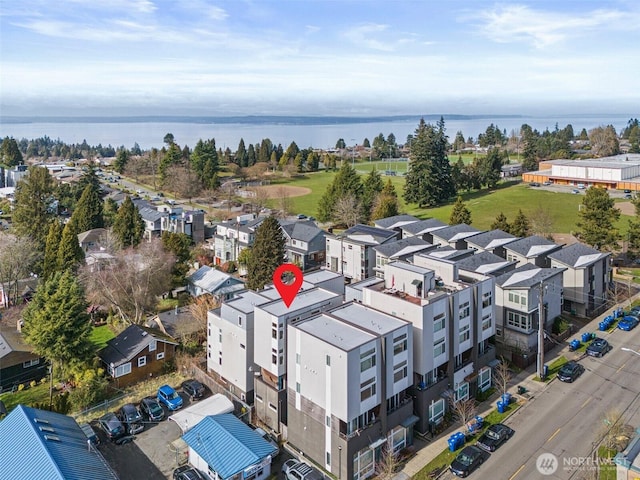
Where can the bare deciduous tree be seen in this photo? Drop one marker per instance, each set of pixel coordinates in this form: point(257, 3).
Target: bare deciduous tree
point(183, 182)
point(347, 211)
point(132, 283)
point(199, 308)
point(541, 222)
point(260, 198)
point(388, 463)
point(18, 255)
point(463, 410)
point(284, 201)
point(502, 376)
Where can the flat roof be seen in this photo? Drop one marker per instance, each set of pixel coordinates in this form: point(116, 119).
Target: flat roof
point(411, 267)
point(245, 301)
point(304, 299)
point(335, 331)
point(320, 276)
point(367, 318)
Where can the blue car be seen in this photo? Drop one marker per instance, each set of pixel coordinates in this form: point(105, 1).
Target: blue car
point(169, 398)
point(628, 323)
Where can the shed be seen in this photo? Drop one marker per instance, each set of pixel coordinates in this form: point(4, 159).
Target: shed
point(189, 417)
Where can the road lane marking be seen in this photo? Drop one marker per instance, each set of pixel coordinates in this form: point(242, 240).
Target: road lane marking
point(585, 403)
point(517, 472)
point(554, 434)
point(621, 367)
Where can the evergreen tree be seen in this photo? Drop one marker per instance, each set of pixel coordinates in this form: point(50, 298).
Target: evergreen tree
point(460, 213)
point(597, 219)
point(180, 245)
point(521, 227)
point(241, 157)
point(52, 245)
point(88, 212)
point(429, 181)
point(128, 226)
point(267, 254)
point(500, 223)
point(529, 139)
point(171, 156)
point(10, 154)
point(313, 161)
point(109, 211)
point(88, 178)
point(491, 167)
point(122, 158)
point(346, 182)
point(633, 250)
point(386, 203)
point(33, 205)
point(371, 188)
point(56, 322)
point(70, 255)
point(204, 161)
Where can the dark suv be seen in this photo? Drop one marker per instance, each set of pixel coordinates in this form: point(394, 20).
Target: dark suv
point(111, 426)
point(570, 371)
point(152, 409)
point(194, 389)
point(130, 416)
point(598, 347)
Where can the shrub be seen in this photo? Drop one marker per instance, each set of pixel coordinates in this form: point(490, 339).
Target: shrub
point(33, 383)
point(21, 387)
point(560, 325)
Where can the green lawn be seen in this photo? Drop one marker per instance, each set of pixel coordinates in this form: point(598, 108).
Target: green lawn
point(28, 396)
point(607, 468)
point(554, 368)
point(101, 335)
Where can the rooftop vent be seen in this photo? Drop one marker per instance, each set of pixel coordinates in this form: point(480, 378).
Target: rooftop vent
point(47, 429)
point(53, 438)
point(41, 420)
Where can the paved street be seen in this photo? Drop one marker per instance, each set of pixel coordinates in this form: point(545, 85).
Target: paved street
point(565, 418)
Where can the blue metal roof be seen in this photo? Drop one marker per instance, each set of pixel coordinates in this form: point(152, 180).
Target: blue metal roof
point(227, 444)
point(48, 446)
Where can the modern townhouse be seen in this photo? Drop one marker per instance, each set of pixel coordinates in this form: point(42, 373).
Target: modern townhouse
point(423, 228)
point(518, 298)
point(534, 250)
point(189, 222)
point(396, 223)
point(152, 219)
point(453, 322)
point(454, 236)
point(492, 241)
point(352, 252)
point(350, 370)
point(401, 250)
point(586, 278)
point(231, 238)
point(305, 244)
point(270, 348)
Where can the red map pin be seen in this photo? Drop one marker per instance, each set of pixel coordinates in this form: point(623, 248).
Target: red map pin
point(287, 291)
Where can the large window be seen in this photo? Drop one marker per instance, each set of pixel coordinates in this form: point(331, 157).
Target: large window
point(438, 322)
point(462, 392)
point(398, 438)
point(400, 371)
point(367, 389)
point(484, 379)
point(30, 363)
point(519, 321)
point(464, 310)
point(400, 344)
point(487, 299)
point(363, 464)
point(464, 333)
point(486, 322)
point(438, 348)
point(368, 360)
point(153, 345)
point(518, 298)
point(123, 370)
point(436, 411)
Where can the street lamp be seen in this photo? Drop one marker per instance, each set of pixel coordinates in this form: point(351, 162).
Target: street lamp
point(339, 462)
point(624, 349)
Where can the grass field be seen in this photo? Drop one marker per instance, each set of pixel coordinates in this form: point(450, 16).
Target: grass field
point(484, 205)
point(101, 335)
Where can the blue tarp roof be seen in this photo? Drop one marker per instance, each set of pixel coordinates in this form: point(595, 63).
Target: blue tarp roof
point(48, 446)
point(227, 444)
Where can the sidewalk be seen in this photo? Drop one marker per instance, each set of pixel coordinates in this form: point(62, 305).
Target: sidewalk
point(428, 449)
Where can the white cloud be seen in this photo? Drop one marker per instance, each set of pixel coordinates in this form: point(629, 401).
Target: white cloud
point(374, 36)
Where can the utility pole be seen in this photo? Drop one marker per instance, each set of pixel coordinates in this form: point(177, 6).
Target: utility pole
point(541, 332)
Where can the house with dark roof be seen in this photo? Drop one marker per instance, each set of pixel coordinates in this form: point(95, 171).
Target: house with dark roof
point(481, 264)
point(152, 221)
point(176, 323)
point(533, 249)
point(492, 241)
point(18, 363)
point(454, 236)
point(208, 280)
point(441, 253)
point(586, 277)
point(352, 253)
point(190, 222)
point(137, 353)
point(422, 228)
point(230, 238)
point(396, 222)
point(38, 444)
point(305, 244)
point(226, 448)
point(517, 298)
point(402, 249)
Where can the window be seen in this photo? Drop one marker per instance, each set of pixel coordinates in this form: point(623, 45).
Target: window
point(464, 310)
point(436, 411)
point(123, 370)
point(367, 389)
point(274, 333)
point(328, 458)
point(160, 355)
point(368, 360)
point(259, 398)
point(242, 346)
point(484, 379)
point(274, 359)
point(272, 407)
point(400, 344)
point(363, 464)
point(239, 320)
point(486, 322)
point(400, 371)
point(142, 361)
point(297, 387)
point(153, 345)
point(487, 299)
point(220, 335)
point(328, 361)
point(30, 363)
point(438, 322)
point(438, 348)
point(462, 393)
point(398, 438)
point(297, 359)
point(327, 420)
point(519, 321)
point(464, 333)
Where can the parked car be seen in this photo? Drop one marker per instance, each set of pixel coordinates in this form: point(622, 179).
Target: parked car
point(131, 418)
point(111, 426)
point(301, 216)
point(90, 433)
point(271, 440)
point(194, 389)
point(534, 184)
point(628, 322)
point(296, 470)
point(570, 371)
point(152, 409)
point(598, 347)
point(626, 190)
point(470, 458)
point(575, 191)
point(187, 472)
point(581, 186)
point(547, 183)
point(628, 196)
point(169, 398)
point(494, 436)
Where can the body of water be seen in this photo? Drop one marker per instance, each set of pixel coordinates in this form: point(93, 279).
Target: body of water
point(151, 134)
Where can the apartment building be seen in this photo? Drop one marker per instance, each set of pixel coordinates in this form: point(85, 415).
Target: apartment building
point(586, 277)
point(189, 222)
point(350, 370)
point(399, 250)
point(533, 249)
point(352, 253)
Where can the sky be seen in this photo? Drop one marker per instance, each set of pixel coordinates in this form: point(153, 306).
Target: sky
point(318, 57)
